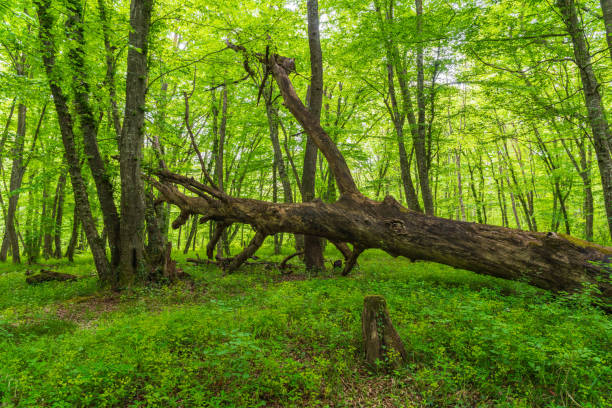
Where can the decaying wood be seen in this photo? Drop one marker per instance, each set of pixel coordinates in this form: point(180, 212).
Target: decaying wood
point(382, 345)
point(46, 275)
point(546, 260)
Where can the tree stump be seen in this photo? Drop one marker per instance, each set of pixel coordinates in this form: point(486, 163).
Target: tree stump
point(383, 346)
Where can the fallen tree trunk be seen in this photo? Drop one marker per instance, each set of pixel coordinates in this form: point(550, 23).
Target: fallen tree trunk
point(545, 260)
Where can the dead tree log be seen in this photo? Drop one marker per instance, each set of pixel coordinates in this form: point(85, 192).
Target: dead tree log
point(46, 276)
point(382, 345)
point(545, 260)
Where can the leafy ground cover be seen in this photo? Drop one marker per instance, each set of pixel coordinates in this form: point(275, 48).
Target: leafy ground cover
point(256, 338)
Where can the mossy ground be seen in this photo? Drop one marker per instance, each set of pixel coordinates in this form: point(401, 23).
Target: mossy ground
point(256, 338)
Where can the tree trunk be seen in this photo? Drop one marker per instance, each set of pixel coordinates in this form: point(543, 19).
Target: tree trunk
point(17, 173)
point(89, 129)
point(74, 236)
point(397, 117)
point(219, 164)
point(313, 246)
point(459, 184)
point(585, 175)
point(158, 250)
point(420, 150)
point(191, 237)
point(606, 8)
point(70, 151)
point(596, 114)
point(50, 229)
point(59, 213)
point(130, 147)
point(398, 122)
point(273, 123)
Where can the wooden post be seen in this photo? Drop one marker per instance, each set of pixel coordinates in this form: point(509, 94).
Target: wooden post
point(381, 341)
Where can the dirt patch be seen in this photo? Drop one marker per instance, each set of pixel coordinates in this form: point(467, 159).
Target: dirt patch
point(86, 309)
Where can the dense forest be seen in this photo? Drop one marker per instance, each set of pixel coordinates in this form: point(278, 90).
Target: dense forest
point(198, 196)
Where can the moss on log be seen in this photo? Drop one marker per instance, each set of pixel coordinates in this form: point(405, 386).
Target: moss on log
point(45, 276)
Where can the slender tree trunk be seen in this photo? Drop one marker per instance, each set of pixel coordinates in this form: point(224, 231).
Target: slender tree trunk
point(17, 173)
point(223, 243)
point(74, 236)
point(585, 175)
point(397, 117)
point(398, 122)
point(89, 129)
point(110, 67)
point(192, 231)
point(481, 188)
point(273, 124)
point(70, 152)
point(5, 240)
point(606, 8)
point(420, 142)
point(46, 224)
point(596, 114)
point(59, 216)
point(459, 184)
point(313, 246)
point(279, 164)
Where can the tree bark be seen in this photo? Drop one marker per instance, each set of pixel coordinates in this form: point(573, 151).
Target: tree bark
point(313, 246)
point(192, 232)
point(398, 122)
point(602, 138)
point(273, 124)
point(59, 213)
point(74, 236)
point(17, 173)
point(382, 344)
point(420, 149)
point(606, 8)
point(131, 142)
point(459, 184)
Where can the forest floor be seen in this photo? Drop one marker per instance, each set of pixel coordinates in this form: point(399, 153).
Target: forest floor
point(257, 338)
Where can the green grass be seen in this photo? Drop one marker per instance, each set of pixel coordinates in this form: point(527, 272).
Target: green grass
point(254, 339)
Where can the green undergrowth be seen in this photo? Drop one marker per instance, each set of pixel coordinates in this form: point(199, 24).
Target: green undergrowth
point(256, 338)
